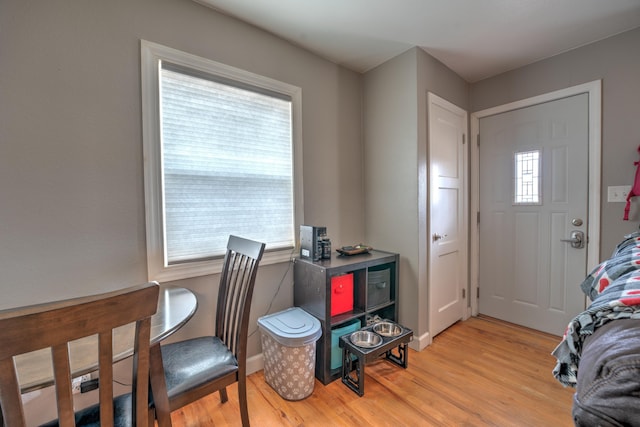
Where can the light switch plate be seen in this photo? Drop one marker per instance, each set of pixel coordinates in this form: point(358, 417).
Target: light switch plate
point(618, 193)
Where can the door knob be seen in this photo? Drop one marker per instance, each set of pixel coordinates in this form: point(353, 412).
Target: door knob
point(576, 239)
point(437, 236)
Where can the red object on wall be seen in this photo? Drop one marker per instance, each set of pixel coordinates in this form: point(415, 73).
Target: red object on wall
point(635, 190)
point(341, 294)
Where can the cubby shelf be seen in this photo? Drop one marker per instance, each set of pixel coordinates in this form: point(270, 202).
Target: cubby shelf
point(312, 292)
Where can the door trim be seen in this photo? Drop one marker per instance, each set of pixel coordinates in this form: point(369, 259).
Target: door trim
point(594, 90)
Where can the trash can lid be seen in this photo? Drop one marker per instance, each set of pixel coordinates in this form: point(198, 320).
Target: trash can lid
point(291, 327)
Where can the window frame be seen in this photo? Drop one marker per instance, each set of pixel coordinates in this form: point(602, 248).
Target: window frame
point(151, 56)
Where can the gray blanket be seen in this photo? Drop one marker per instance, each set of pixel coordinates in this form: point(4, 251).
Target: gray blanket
point(608, 389)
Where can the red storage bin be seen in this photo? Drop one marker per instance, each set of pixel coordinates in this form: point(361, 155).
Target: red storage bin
point(341, 293)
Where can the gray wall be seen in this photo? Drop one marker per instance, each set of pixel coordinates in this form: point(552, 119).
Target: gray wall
point(395, 167)
point(391, 171)
point(72, 218)
point(616, 61)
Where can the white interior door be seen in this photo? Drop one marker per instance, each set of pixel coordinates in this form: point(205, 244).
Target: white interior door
point(533, 196)
point(447, 219)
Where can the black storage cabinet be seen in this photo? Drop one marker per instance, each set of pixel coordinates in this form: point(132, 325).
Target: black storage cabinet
point(375, 293)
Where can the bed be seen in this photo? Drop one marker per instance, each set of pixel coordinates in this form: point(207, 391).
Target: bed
point(599, 353)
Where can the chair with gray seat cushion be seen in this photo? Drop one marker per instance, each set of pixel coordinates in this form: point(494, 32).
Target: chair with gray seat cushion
point(197, 367)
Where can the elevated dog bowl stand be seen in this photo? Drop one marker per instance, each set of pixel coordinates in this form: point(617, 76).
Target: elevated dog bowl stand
point(353, 370)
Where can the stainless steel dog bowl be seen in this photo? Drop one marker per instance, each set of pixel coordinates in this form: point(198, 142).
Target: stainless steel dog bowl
point(366, 339)
point(387, 329)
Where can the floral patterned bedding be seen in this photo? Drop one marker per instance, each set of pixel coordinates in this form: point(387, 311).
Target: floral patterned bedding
point(614, 288)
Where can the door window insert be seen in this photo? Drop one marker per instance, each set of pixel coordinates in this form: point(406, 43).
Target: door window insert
point(527, 178)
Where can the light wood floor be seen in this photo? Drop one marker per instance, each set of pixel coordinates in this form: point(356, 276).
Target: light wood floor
point(480, 372)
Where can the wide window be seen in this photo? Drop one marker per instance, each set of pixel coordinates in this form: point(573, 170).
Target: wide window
point(220, 158)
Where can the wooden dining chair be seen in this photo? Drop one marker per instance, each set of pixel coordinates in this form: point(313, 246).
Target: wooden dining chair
point(197, 367)
point(54, 325)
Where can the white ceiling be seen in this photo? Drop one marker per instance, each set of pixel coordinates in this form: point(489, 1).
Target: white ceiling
point(474, 38)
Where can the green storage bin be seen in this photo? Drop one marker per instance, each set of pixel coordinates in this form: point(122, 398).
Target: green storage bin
point(336, 333)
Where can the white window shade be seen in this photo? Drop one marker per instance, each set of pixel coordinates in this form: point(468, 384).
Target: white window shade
point(227, 165)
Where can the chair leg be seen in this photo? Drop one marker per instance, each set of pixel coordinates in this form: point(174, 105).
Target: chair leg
point(242, 398)
point(162, 410)
point(223, 395)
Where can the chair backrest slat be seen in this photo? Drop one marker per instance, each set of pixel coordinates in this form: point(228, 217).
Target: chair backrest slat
point(105, 355)
point(141, 363)
point(237, 281)
point(54, 325)
point(10, 393)
point(62, 375)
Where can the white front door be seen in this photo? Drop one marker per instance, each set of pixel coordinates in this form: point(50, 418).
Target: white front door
point(447, 213)
point(533, 196)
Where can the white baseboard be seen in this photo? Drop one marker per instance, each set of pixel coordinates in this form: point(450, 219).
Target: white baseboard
point(255, 364)
point(421, 342)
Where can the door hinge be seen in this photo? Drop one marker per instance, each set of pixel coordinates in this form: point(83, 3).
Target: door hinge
point(478, 140)
point(464, 138)
point(478, 217)
point(478, 292)
point(464, 293)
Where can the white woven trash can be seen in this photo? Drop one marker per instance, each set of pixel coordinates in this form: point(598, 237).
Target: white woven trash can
point(289, 350)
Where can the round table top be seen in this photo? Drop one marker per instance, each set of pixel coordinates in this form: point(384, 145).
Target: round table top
point(175, 307)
